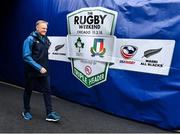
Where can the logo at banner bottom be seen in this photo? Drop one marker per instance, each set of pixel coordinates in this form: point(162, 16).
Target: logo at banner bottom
point(89, 72)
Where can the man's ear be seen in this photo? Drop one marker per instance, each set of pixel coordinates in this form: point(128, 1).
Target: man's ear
point(36, 28)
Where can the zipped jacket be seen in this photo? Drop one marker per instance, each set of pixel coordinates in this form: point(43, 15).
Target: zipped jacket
point(35, 54)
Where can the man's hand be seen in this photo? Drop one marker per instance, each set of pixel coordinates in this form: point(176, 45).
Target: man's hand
point(43, 70)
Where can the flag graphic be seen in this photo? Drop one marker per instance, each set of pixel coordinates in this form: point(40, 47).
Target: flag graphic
point(98, 47)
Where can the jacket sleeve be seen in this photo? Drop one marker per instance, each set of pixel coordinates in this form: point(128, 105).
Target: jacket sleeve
point(27, 53)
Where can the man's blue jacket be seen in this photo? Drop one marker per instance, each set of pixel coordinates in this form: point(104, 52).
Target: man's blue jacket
point(35, 54)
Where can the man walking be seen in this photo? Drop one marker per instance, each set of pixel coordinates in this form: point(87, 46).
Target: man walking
point(35, 56)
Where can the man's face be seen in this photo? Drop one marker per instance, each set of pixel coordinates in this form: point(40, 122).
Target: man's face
point(41, 28)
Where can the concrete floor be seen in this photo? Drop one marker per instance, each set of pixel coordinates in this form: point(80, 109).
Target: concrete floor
point(76, 118)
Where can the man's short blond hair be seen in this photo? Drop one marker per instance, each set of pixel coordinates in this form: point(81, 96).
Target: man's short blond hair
point(41, 21)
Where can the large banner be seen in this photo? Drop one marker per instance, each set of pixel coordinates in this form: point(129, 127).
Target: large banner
point(91, 48)
point(88, 25)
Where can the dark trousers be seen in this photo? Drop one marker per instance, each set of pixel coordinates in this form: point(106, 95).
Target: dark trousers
point(41, 84)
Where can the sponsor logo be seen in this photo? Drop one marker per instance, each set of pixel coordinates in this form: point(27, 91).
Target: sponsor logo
point(57, 48)
point(151, 62)
point(127, 52)
point(88, 70)
point(151, 52)
point(79, 44)
point(37, 42)
point(98, 48)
